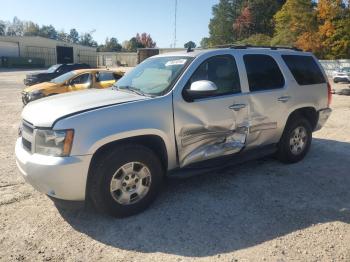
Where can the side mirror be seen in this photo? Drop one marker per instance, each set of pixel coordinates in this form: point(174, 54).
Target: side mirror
point(200, 89)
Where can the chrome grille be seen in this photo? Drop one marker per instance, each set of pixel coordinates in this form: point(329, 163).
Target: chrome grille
point(27, 135)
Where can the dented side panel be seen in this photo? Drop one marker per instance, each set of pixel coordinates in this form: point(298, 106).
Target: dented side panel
point(208, 128)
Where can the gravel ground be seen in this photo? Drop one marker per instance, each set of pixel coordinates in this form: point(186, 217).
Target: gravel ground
point(258, 211)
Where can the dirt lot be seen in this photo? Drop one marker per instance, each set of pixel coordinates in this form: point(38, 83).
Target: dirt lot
point(258, 211)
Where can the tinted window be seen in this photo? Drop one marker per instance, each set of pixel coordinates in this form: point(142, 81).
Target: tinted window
point(222, 70)
point(64, 69)
point(304, 69)
point(63, 78)
point(107, 76)
point(263, 72)
point(82, 79)
point(53, 68)
point(79, 66)
point(104, 76)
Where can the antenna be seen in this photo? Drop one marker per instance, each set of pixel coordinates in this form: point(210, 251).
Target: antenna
point(175, 24)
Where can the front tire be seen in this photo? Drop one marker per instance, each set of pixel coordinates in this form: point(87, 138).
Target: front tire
point(296, 140)
point(126, 181)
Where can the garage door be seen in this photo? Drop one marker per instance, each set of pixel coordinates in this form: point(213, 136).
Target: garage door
point(9, 49)
point(64, 55)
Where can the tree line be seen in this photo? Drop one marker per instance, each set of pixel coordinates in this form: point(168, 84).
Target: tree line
point(17, 27)
point(322, 27)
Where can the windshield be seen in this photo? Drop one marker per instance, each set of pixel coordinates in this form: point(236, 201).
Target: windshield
point(53, 68)
point(346, 69)
point(154, 76)
point(63, 78)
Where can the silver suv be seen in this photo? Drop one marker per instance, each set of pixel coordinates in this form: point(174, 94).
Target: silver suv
point(174, 114)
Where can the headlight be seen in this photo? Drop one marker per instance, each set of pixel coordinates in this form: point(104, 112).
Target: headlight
point(35, 95)
point(54, 142)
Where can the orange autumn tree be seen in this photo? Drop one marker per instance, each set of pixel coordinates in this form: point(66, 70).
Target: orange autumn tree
point(333, 18)
point(243, 23)
point(322, 28)
point(295, 18)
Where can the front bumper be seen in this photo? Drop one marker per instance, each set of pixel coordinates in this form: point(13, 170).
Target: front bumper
point(59, 177)
point(323, 116)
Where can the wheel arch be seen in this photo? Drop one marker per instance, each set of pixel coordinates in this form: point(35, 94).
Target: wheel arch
point(308, 112)
point(153, 142)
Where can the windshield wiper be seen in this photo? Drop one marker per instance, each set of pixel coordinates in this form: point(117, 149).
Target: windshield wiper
point(132, 89)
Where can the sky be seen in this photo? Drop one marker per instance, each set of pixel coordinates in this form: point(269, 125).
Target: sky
point(119, 18)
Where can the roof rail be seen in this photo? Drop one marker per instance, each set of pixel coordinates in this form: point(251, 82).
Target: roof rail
point(258, 46)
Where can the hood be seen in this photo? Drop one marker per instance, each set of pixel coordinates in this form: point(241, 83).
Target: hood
point(36, 75)
point(41, 86)
point(44, 112)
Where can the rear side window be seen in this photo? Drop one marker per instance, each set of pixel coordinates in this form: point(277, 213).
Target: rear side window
point(304, 69)
point(82, 79)
point(105, 76)
point(263, 72)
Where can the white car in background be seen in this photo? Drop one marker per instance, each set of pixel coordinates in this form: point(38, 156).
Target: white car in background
point(341, 75)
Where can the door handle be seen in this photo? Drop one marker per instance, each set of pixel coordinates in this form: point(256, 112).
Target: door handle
point(283, 99)
point(237, 107)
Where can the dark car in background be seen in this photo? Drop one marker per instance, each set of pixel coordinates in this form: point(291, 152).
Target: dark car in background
point(53, 72)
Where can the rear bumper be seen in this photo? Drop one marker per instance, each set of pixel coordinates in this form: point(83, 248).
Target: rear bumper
point(59, 177)
point(341, 79)
point(323, 116)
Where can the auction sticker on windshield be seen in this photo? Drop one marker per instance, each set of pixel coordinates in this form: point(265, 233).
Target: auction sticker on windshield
point(176, 62)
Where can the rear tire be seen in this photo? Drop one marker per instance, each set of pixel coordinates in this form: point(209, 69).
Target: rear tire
point(296, 140)
point(125, 181)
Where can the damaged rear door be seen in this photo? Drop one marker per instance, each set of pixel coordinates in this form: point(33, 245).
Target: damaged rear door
point(214, 124)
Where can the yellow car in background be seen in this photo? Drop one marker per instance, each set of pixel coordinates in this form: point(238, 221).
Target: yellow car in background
point(72, 81)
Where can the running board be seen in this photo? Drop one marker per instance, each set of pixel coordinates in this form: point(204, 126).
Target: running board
point(223, 162)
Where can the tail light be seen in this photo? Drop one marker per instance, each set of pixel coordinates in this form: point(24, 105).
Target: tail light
point(329, 94)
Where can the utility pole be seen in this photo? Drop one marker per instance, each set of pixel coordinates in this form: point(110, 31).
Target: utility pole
point(175, 24)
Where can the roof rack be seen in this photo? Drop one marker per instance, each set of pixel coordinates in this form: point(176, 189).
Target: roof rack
point(258, 46)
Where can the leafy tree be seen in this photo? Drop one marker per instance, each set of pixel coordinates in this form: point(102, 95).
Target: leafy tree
point(62, 36)
point(257, 39)
point(111, 45)
point(48, 31)
point(125, 45)
point(295, 18)
point(139, 41)
point(15, 28)
point(220, 26)
point(340, 47)
point(31, 29)
point(145, 40)
point(73, 36)
point(2, 27)
point(262, 12)
point(234, 20)
point(190, 44)
point(243, 23)
point(332, 20)
point(205, 42)
point(134, 44)
point(87, 39)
